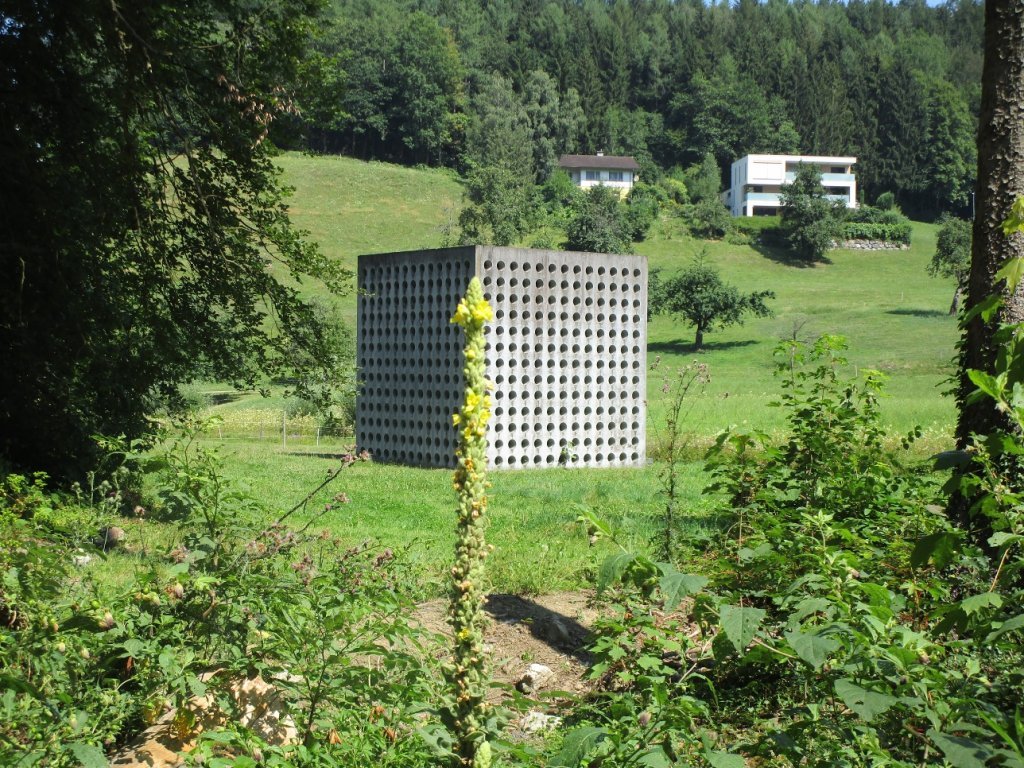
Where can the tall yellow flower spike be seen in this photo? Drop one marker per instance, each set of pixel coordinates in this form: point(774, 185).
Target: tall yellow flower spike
point(467, 675)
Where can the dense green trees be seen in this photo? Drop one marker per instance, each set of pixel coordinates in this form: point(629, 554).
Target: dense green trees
point(145, 238)
point(810, 220)
point(895, 84)
point(598, 223)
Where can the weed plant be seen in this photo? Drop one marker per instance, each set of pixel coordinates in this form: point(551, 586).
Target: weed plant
point(848, 622)
point(84, 666)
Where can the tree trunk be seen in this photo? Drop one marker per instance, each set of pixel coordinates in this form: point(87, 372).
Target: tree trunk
point(955, 306)
point(1000, 183)
point(698, 343)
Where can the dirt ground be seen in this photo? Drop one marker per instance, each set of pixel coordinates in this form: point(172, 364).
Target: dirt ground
point(545, 629)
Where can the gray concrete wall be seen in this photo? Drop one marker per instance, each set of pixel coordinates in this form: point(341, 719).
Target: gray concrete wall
point(566, 353)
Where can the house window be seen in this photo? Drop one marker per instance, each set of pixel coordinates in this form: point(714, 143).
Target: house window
point(757, 188)
point(614, 175)
point(838, 169)
point(592, 175)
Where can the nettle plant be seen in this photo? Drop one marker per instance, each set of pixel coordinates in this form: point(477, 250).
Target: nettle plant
point(847, 622)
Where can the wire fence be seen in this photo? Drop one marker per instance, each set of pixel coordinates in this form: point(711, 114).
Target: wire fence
point(276, 426)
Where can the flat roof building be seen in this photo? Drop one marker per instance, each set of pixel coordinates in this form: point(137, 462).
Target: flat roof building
point(756, 181)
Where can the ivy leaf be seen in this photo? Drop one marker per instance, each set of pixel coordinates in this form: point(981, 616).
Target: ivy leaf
point(89, 756)
point(720, 759)
point(677, 586)
point(960, 751)
point(812, 647)
point(740, 624)
point(576, 746)
point(612, 569)
point(867, 704)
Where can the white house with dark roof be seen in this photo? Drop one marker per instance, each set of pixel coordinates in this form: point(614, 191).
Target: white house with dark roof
point(615, 171)
point(756, 181)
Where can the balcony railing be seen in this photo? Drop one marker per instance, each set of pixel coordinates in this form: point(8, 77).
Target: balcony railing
point(828, 178)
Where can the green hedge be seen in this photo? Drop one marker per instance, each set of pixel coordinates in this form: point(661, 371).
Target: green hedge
point(892, 233)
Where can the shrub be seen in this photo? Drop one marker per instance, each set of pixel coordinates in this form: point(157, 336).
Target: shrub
point(642, 206)
point(886, 201)
point(709, 219)
point(890, 233)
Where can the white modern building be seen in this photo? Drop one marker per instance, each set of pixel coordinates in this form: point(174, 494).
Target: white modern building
point(756, 181)
point(615, 171)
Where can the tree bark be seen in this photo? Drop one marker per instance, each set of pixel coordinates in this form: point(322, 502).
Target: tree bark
point(955, 306)
point(1000, 183)
point(698, 343)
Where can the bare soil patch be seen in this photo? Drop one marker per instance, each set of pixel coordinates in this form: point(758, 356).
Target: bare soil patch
point(544, 629)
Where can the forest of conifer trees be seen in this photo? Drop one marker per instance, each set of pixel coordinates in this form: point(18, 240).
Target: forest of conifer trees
point(465, 83)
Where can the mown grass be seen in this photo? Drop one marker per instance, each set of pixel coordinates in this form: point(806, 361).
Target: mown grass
point(891, 312)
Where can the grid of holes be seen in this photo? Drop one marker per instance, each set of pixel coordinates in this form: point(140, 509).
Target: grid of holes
point(410, 356)
point(567, 354)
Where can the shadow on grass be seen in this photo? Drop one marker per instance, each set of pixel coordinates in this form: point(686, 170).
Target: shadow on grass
point(320, 454)
point(222, 398)
point(687, 347)
point(559, 631)
point(783, 255)
point(918, 313)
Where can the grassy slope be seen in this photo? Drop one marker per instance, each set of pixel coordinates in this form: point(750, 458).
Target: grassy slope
point(886, 305)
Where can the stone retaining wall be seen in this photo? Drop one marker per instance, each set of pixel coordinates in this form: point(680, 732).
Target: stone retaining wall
point(873, 245)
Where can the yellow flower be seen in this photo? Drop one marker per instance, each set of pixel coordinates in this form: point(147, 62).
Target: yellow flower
point(462, 314)
point(456, 419)
point(482, 312)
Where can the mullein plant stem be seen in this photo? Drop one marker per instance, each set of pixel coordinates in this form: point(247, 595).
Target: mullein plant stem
point(468, 674)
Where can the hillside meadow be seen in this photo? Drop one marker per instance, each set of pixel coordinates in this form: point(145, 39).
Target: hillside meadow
point(884, 303)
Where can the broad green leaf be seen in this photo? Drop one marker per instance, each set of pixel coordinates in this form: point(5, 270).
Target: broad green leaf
point(678, 586)
point(1002, 538)
point(740, 624)
point(1017, 622)
point(812, 647)
point(612, 569)
point(720, 759)
point(1012, 272)
point(959, 751)
point(977, 603)
point(940, 548)
point(576, 746)
point(134, 647)
point(654, 757)
point(987, 383)
point(867, 704)
point(877, 595)
point(986, 308)
point(89, 756)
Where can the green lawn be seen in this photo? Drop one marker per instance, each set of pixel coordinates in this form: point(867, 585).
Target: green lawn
point(892, 313)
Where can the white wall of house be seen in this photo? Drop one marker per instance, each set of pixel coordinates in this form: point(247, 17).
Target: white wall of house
point(756, 181)
point(592, 177)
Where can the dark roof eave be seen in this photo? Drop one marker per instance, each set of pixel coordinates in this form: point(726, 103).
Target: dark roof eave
point(612, 162)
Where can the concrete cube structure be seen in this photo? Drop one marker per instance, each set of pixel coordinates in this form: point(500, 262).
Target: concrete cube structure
point(566, 353)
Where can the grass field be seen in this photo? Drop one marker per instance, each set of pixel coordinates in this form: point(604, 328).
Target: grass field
point(892, 313)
